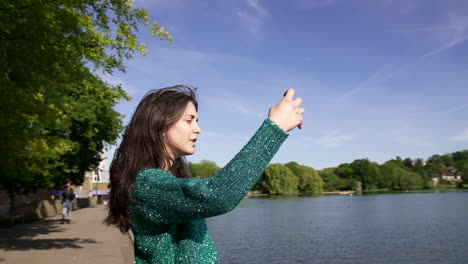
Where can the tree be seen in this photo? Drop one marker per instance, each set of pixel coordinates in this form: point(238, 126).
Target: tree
point(204, 169)
point(57, 113)
point(408, 162)
point(397, 177)
point(330, 179)
point(464, 170)
point(344, 171)
point(436, 159)
point(309, 179)
point(447, 160)
point(431, 167)
point(279, 179)
point(460, 156)
point(368, 173)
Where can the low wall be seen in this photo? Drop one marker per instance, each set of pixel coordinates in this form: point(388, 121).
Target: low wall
point(27, 210)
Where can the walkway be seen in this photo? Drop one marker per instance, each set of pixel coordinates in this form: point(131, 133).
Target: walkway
point(85, 240)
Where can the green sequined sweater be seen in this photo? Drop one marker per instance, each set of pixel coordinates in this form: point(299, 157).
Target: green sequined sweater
point(168, 213)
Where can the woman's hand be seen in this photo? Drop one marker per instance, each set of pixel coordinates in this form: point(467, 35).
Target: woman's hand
point(287, 114)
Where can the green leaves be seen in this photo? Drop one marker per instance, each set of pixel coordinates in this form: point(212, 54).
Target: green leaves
point(309, 179)
point(204, 169)
point(291, 178)
point(57, 114)
point(279, 179)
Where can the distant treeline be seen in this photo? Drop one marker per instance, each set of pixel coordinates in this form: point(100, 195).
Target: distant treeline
point(361, 174)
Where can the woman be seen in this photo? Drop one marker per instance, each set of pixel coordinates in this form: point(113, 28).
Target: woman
point(152, 192)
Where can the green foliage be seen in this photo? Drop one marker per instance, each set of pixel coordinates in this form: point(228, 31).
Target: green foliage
point(408, 162)
point(279, 179)
point(447, 160)
point(460, 156)
point(463, 166)
point(309, 179)
point(395, 174)
point(460, 159)
point(430, 167)
point(368, 173)
point(330, 179)
point(397, 177)
point(435, 159)
point(344, 171)
point(204, 169)
point(57, 113)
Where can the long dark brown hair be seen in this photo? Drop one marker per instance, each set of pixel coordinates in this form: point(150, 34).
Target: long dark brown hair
point(143, 147)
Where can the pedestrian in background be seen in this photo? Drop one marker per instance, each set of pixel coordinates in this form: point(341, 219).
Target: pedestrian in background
point(67, 203)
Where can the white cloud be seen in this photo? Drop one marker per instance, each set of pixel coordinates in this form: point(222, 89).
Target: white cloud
point(451, 33)
point(446, 35)
point(172, 59)
point(114, 80)
point(463, 136)
point(334, 139)
point(236, 106)
point(257, 7)
point(380, 76)
point(253, 18)
point(447, 45)
point(161, 3)
point(455, 109)
point(413, 141)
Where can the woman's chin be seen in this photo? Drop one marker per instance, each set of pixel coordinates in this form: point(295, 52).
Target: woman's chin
point(188, 153)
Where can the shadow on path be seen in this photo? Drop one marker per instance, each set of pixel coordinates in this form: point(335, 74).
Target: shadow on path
point(22, 237)
point(45, 244)
point(30, 230)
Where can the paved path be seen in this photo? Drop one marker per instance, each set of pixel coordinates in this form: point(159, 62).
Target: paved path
point(86, 240)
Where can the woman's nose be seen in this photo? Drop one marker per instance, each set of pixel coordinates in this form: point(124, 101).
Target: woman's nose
point(197, 130)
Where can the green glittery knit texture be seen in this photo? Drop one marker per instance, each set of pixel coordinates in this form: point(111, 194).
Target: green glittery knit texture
point(168, 213)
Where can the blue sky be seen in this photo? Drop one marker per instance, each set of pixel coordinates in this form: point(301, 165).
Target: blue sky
point(378, 78)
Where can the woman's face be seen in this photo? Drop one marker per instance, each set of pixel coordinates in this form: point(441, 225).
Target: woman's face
point(183, 134)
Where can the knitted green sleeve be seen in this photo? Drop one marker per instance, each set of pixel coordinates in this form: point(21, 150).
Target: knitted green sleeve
point(160, 197)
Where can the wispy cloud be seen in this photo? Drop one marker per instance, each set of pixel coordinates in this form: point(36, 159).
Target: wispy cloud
point(334, 139)
point(253, 17)
point(236, 106)
point(382, 75)
point(309, 4)
point(449, 34)
point(456, 109)
point(412, 141)
point(447, 45)
point(114, 80)
point(257, 7)
point(174, 59)
point(463, 136)
point(161, 3)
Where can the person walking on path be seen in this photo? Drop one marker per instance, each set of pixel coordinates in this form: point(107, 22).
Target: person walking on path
point(67, 203)
point(151, 191)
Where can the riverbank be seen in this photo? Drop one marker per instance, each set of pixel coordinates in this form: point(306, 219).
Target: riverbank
point(351, 193)
point(340, 193)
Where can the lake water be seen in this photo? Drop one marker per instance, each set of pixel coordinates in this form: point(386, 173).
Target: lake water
point(380, 228)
